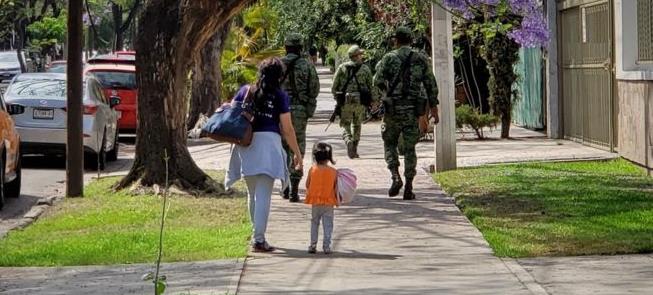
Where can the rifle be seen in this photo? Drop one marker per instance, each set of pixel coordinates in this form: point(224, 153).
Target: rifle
point(336, 112)
point(340, 97)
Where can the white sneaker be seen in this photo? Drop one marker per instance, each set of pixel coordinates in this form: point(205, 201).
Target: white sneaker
point(194, 133)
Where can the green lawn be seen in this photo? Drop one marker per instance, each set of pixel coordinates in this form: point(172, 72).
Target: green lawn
point(116, 228)
point(555, 209)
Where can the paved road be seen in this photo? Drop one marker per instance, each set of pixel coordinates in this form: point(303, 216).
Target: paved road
point(44, 177)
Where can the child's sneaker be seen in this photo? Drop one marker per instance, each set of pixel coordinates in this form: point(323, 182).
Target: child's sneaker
point(312, 250)
point(327, 250)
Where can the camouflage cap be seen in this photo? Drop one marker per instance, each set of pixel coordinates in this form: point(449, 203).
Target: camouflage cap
point(403, 32)
point(354, 50)
point(293, 39)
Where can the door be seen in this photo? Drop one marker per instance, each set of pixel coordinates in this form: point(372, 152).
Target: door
point(587, 76)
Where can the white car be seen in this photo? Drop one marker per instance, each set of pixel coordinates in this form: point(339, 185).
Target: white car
point(41, 117)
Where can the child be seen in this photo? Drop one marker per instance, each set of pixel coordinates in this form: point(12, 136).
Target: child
point(321, 194)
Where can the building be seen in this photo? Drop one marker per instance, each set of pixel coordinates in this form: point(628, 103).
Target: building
point(599, 68)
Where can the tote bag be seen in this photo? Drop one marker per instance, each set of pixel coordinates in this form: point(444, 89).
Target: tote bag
point(232, 122)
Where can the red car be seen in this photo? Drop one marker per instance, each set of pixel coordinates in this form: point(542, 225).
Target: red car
point(119, 80)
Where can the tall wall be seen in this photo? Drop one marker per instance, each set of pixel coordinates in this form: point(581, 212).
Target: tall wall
point(635, 123)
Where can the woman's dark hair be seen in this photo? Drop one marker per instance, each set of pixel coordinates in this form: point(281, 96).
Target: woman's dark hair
point(322, 152)
point(270, 73)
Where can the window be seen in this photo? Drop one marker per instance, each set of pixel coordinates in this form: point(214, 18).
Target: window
point(118, 80)
point(645, 30)
point(39, 88)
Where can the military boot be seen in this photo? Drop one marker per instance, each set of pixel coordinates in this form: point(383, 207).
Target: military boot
point(408, 190)
point(396, 183)
point(350, 150)
point(294, 190)
point(356, 149)
point(286, 193)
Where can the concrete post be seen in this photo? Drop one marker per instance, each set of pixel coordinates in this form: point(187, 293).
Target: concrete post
point(553, 106)
point(445, 132)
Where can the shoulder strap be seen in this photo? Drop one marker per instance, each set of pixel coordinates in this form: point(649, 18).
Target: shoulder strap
point(352, 75)
point(404, 67)
point(290, 68)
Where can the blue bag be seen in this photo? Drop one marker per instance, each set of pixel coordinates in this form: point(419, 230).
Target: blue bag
point(232, 122)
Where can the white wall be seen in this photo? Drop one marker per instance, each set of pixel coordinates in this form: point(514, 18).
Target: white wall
point(625, 22)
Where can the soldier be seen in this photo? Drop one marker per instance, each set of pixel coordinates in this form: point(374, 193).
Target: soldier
point(352, 85)
point(401, 74)
point(302, 85)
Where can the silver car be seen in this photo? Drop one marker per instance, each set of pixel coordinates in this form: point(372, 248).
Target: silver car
point(41, 119)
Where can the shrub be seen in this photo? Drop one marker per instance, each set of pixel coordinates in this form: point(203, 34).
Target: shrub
point(472, 118)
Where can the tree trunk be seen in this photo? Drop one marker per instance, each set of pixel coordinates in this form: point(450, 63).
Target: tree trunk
point(207, 78)
point(21, 34)
point(171, 34)
point(117, 24)
point(501, 54)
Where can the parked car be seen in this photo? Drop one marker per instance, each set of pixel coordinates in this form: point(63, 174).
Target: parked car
point(121, 57)
point(57, 66)
point(10, 164)
point(119, 80)
point(41, 117)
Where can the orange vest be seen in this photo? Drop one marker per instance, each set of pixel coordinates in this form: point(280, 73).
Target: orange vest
point(321, 186)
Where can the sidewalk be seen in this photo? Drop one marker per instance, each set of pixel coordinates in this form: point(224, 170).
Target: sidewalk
point(381, 245)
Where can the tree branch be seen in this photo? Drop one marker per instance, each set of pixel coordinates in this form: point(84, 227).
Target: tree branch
point(130, 17)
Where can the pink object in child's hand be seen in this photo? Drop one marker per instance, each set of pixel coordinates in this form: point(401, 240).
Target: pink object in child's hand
point(346, 183)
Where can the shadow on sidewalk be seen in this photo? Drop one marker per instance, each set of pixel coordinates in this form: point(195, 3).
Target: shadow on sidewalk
point(295, 253)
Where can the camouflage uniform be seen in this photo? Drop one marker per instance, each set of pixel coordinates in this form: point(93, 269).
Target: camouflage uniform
point(403, 108)
point(353, 112)
point(302, 103)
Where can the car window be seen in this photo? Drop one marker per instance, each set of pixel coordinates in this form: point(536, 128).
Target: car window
point(38, 88)
point(57, 69)
point(119, 80)
point(8, 57)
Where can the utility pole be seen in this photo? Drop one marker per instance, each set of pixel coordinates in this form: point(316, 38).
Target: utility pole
point(445, 132)
point(74, 144)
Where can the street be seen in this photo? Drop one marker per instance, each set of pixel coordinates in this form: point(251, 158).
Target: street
point(43, 177)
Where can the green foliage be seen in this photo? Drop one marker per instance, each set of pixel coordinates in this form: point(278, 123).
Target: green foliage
point(339, 55)
point(488, 34)
point(251, 40)
point(472, 118)
point(47, 32)
point(556, 209)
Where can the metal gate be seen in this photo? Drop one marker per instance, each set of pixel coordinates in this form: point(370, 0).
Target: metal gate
point(587, 76)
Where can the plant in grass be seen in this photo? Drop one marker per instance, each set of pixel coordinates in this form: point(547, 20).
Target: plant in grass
point(467, 116)
point(160, 280)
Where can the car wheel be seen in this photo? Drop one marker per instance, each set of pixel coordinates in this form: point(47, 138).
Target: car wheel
point(112, 155)
point(2, 182)
point(12, 189)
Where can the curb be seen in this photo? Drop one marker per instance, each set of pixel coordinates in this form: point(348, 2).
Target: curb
point(524, 276)
point(33, 214)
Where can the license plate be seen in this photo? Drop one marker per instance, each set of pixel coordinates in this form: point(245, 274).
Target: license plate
point(44, 114)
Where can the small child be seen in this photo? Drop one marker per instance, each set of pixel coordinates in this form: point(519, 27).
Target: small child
point(321, 194)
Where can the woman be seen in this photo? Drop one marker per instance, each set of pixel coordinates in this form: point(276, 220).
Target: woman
point(263, 160)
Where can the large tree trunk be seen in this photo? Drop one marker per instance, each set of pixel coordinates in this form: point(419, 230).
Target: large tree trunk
point(207, 78)
point(171, 35)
